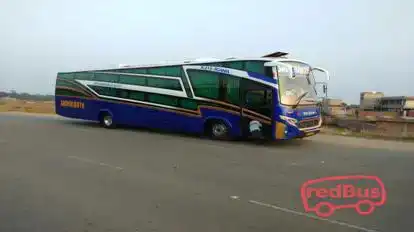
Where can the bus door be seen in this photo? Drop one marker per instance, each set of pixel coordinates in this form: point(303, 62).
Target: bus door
point(256, 109)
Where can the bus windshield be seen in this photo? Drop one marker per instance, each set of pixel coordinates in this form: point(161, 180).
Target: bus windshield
point(292, 89)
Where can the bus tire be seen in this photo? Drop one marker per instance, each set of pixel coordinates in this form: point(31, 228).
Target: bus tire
point(106, 120)
point(217, 130)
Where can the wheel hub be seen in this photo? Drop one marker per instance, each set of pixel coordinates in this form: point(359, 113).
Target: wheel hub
point(219, 130)
point(108, 120)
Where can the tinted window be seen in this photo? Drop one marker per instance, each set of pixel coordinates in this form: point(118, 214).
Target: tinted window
point(162, 99)
point(188, 104)
point(232, 89)
point(186, 84)
point(259, 101)
point(215, 86)
point(255, 66)
point(66, 92)
point(66, 75)
point(106, 77)
point(138, 96)
point(132, 80)
point(205, 84)
point(121, 93)
point(65, 84)
point(255, 98)
point(219, 64)
point(137, 71)
point(163, 83)
point(104, 90)
point(85, 75)
point(258, 98)
point(165, 71)
point(234, 65)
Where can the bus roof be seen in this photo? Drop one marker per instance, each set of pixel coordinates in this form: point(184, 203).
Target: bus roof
point(268, 57)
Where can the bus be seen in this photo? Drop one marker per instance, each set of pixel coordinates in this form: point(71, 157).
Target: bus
point(272, 97)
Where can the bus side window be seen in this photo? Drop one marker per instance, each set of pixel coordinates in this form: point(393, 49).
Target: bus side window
point(105, 91)
point(269, 72)
point(106, 77)
point(163, 99)
point(258, 98)
point(121, 93)
point(255, 98)
point(255, 66)
point(230, 89)
point(188, 104)
point(205, 84)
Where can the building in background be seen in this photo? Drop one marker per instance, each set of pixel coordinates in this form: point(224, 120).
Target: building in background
point(395, 106)
point(352, 110)
point(369, 100)
point(333, 107)
point(403, 105)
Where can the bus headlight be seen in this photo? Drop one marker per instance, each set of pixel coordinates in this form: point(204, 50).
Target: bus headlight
point(289, 120)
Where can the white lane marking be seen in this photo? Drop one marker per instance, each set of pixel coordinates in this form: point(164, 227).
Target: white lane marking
point(95, 162)
point(81, 159)
point(312, 216)
point(235, 197)
point(110, 166)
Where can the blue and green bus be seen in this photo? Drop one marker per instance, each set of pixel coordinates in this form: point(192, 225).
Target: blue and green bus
point(271, 97)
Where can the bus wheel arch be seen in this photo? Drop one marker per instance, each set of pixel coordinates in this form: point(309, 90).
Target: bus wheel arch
point(360, 207)
point(106, 119)
point(217, 128)
point(320, 209)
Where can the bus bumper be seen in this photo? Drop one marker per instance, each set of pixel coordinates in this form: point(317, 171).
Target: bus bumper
point(309, 133)
point(287, 132)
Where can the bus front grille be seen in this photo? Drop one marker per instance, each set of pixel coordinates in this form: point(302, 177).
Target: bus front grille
point(308, 123)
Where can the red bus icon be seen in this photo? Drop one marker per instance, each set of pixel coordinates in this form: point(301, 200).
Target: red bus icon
point(342, 195)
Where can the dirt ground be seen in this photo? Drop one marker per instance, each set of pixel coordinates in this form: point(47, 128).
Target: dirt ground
point(37, 107)
point(14, 105)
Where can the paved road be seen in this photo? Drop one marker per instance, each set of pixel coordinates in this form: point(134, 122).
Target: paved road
point(62, 175)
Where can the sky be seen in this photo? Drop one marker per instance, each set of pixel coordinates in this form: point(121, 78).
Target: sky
point(365, 45)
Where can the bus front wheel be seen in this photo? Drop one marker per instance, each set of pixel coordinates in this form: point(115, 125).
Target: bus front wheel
point(106, 120)
point(217, 129)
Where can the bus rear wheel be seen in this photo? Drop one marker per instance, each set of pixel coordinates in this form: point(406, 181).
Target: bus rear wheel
point(106, 120)
point(218, 130)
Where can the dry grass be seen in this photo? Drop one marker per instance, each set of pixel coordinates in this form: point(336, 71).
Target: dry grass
point(27, 106)
point(364, 134)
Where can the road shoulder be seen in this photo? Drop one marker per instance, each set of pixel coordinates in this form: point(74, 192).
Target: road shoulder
point(363, 142)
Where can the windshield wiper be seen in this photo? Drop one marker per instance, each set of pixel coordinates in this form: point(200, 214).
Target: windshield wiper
point(299, 99)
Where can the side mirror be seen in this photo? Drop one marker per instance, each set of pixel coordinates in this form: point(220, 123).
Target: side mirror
point(325, 88)
point(323, 70)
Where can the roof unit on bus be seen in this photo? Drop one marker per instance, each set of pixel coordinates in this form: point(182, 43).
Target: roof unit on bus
point(276, 54)
point(207, 59)
point(124, 66)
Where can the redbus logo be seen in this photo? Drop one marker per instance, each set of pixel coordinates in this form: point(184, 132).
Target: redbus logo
point(341, 194)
